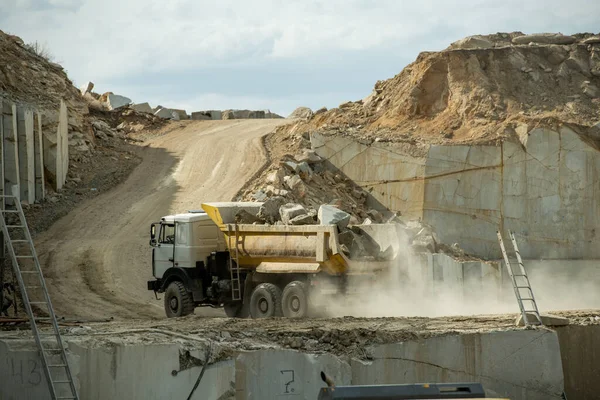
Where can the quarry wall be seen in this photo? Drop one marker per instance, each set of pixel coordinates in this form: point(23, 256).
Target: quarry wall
point(545, 188)
point(519, 364)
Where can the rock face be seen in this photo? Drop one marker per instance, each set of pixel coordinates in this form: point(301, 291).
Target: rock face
point(115, 101)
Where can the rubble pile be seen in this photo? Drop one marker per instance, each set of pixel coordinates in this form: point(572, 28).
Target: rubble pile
point(303, 179)
point(477, 91)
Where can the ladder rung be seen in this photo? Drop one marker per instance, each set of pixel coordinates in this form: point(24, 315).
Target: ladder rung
point(38, 302)
point(29, 272)
point(33, 287)
point(66, 397)
point(527, 298)
point(23, 256)
point(523, 287)
point(42, 319)
point(9, 211)
point(15, 226)
point(19, 241)
point(48, 334)
point(57, 365)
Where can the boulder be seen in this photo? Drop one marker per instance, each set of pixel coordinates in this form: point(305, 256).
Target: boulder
point(182, 114)
point(590, 90)
point(330, 215)
point(309, 157)
point(114, 101)
point(595, 62)
point(100, 125)
point(592, 40)
point(87, 88)
point(473, 42)
point(290, 166)
point(321, 110)
point(142, 107)
point(256, 115)
point(544, 38)
point(244, 217)
point(228, 114)
point(215, 114)
point(164, 113)
point(269, 211)
point(290, 211)
point(304, 171)
point(276, 177)
point(201, 116)
point(296, 185)
point(375, 216)
point(259, 195)
point(301, 113)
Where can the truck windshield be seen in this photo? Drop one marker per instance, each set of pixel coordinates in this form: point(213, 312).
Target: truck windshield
point(167, 234)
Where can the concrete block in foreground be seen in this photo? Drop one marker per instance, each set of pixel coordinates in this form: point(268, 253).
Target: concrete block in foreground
point(519, 365)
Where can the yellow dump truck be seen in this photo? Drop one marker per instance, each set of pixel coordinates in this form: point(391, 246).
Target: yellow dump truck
point(205, 259)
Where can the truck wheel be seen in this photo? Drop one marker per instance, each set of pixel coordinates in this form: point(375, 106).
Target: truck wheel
point(265, 301)
point(294, 301)
point(236, 310)
point(178, 302)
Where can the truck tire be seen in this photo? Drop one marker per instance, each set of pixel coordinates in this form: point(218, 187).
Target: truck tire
point(236, 310)
point(178, 302)
point(294, 301)
point(265, 301)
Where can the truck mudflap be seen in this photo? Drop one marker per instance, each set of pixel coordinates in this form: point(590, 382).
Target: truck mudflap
point(154, 285)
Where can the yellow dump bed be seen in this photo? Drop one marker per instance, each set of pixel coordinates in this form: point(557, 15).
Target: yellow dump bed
point(293, 249)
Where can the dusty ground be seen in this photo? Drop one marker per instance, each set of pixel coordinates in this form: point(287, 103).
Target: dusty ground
point(97, 259)
point(346, 336)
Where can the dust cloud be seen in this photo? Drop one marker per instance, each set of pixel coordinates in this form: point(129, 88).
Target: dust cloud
point(408, 289)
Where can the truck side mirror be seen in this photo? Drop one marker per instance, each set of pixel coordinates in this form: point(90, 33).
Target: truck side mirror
point(153, 235)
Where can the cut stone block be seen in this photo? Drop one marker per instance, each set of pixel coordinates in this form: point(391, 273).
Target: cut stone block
point(142, 107)
point(115, 101)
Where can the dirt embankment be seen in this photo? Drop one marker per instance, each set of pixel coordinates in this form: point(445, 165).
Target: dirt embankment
point(476, 91)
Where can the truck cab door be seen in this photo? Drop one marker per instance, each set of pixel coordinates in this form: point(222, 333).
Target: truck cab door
point(162, 254)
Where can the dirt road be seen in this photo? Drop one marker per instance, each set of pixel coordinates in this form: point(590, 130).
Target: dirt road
point(97, 258)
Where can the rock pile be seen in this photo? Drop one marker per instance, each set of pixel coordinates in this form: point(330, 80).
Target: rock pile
point(354, 241)
point(304, 180)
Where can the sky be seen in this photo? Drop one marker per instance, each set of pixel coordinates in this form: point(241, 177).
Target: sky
point(264, 54)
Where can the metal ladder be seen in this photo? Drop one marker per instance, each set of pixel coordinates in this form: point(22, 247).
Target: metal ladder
point(520, 282)
point(34, 293)
point(234, 270)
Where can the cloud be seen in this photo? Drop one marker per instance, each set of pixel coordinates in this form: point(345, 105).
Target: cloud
point(119, 41)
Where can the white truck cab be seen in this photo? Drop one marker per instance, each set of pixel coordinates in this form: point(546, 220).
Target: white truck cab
point(183, 246)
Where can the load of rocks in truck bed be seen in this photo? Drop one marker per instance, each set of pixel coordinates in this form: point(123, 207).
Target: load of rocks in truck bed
point(355, 242)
